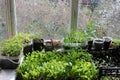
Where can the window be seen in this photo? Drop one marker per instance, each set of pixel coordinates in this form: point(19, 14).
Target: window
point(104, 14)
point(3, 28)
point(49, 18)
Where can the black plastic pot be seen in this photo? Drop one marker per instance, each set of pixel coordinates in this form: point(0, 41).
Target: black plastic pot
point(90, 44)
point(27, 49)
point(49, 46)
point(98, 44)
point(107, 45)
point(38, 44)
point(9, 62)
point(107, 42)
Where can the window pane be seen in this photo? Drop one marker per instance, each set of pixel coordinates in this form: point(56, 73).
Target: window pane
point(49, 18)
point(3, 28)
point(104, 13)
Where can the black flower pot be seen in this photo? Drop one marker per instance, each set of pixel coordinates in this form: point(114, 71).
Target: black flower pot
point(98, 44)
point(90, 44)
point(38, 44)
point(27, 49)
point(107, 45)
point(107, 42)
point(9, 62)
point(49, 46)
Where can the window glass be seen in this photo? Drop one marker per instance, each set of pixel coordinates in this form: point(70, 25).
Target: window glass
point(49, 18)
point(104, 13)
point(3, 28)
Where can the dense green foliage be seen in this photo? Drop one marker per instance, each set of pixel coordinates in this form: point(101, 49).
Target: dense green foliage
point(81, 35)
point(116, 42)
point(58, 66)
point(13, 46)
point(76, 36)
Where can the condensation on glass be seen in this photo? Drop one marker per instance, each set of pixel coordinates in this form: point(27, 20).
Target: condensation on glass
point(104, 13)
point(3, 27)
point(49, 18)
point(85, 12)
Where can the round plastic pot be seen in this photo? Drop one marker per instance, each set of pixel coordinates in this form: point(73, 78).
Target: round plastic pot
point(9, 62)
point(27, 49)
point(98, 44)
point(107, 45)
point(90, 44)
point(38, 44)
point(107, 42)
